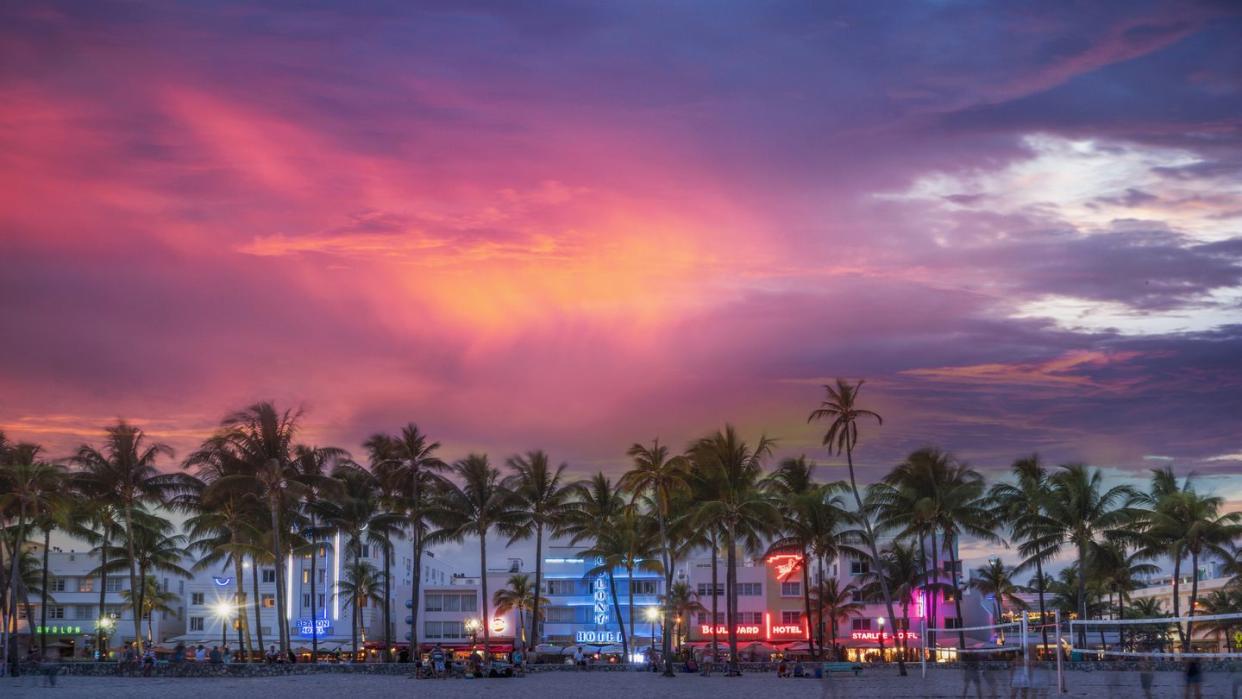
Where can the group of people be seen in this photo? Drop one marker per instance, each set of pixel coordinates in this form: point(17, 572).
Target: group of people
point(440, 665)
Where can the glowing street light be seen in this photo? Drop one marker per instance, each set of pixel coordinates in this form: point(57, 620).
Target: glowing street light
point(881, 639)
point(653, 615)
point(224, 611)
point(472, 625)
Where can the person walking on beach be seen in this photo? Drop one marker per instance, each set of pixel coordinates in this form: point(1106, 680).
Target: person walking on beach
point(971, 676)
point(437, 661)
point(1146, 676)
point(1194, 680)
point(578, 660)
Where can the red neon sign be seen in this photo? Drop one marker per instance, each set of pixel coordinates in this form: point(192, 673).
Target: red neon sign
point(721, 629)
point(784, 630)
point(875, 635)
point(785, 564)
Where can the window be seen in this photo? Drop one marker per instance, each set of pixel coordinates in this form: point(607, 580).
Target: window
point(305, 599)
point(705, 589)
point(86, 611)
point(115, 584)
point(861, 625)
point(56, 612)
point(56, 584)
point(706, 618)
point(469, 603)
point(268, 601)
point(444, 629)
point(859, 568)
point(562, 587)
point(952, 622)
point(323, 551)
point(269, 575)
point(791, 589)
point(750, 617)
point(366, 550)
point(322, 573)
point(452, 603)
point(753, 589)
point(562, 615)
point(86, 584)
point(901, 624)
point(642, 587)
point(196, 623)
point(305, 576)
point(320, 600)
point(791, 617)
point(434, 602)
point(196, 598)
point(857, 595)
point(949, 596)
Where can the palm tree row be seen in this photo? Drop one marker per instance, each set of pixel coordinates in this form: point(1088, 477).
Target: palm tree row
point(256, 494)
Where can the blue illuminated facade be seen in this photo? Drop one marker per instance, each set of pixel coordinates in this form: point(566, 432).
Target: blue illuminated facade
point(581, 607)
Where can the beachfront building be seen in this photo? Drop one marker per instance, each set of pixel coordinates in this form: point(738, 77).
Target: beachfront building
point(595, 609)
point(75, 588)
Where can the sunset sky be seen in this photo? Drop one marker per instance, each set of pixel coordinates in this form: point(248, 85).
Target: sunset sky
point(574, 226)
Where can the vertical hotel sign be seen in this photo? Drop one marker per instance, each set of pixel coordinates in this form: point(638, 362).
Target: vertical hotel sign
point(600, 597)
point(599, 604)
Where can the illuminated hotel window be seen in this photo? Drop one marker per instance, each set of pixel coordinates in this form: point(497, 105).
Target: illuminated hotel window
point(268, 601)
point(305, 577)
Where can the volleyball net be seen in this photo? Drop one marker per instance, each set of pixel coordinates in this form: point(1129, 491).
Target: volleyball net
point(1203, 636)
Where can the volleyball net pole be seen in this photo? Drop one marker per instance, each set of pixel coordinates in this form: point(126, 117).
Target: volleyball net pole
point(1056, 619)
point(923, 647)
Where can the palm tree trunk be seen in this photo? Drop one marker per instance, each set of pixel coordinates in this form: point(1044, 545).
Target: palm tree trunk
point(666, 643)
point(414, 590)
point(314, 593)
point(1082, 592)
point(534, 614)
point(806, 601)
point(103, 585)
point(875, 552)
point(957, 593)
point(1177, 597)
point(905, 626)
point(1194, 596)
point(133, 575)
point(239, 589)
point(277, 553)
point(142, 594)
point(47, 544)
point(819, 625)
point(730, 600)
point(15, 554)
point(486, 619)
point(354, 618)
point(715, 599)
point(387, 600)
point(1039, 577)
point(616, 607)
point(630, 572)
point(258, 603)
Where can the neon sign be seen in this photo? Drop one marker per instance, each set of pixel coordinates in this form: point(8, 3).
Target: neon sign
point(601, 600)
point(58, 630)
point(785, 564)
point(313, 627)
point(876, 635)
point(498, 625)
point(742, 629)
point(594, 637)
point(784, 630)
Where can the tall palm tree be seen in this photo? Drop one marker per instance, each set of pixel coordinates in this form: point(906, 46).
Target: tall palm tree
point(692, 533)
point(745, 513)
point(153, 600)
point(124, 473)
point(841, 411)
point(411, 456)
point(1023, 506)
point(624, 544)
point(155, 548)
point(1114, 568)
point(996, 580)
point(30, 488)
point(474, 508)
point(313, 468)
point(900, 564)
point(837, 604)
point(542, 495)
point(262, 438)
point(361, 585)
point(1082, 508)
point(519, 597)
point(661, 478)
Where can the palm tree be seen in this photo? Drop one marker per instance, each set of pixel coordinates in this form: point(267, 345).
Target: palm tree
point(1183, 522)
point(155, 548)
point(842, 412)
point(124, 474)
point(29, 488)
point(313, 467)
point(1115, 569)
point(520, 598)
point(996, 580)
point(660, 478)
point(623, 544)
point(1149, 608)
point(361, 585)
point(1023, 504)
point(692, 533)
point(899, 563)
point(262, 439)
point(683, 603)
point(542, 495)
point(744, 512)
point(1082, 509)
point(793, 485)
point(152, 600)
point(480, 504)
point(1220, 602)
point(838, 604)
point(411, 457)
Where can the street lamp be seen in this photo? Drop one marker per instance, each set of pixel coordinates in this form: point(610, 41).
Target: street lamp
point(472, 626)
point(104, 625)
point(223, 611)
point(653, 615)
